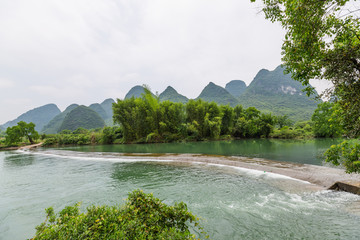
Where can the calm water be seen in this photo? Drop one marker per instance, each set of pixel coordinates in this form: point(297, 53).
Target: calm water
point(233, 203)
point(299, 151)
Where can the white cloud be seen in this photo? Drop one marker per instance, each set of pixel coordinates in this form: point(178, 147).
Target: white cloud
point(87, 50)
point(6, 83)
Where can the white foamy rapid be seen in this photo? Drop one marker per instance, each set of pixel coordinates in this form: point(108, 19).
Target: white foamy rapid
point(120, 158)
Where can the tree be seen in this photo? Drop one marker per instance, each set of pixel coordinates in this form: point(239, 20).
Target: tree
point(323, 42)
point(327, 120)
point(13, 135)
point(142, 217)
point(22, 129)
point(283, 121)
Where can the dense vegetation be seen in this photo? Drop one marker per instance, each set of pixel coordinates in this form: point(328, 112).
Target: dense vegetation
point(82, 136)
point(274, 91)
point(22, 130)
point(323, 42)
point(83, 117)
point(217, 94)
point(54, 125)
point(147, 119)
point(170, 94)
point(142, 217)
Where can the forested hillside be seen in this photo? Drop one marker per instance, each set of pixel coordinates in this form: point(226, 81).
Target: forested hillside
point(82, 117)
point(170, 94)
point(273, 91)
point(217, 94)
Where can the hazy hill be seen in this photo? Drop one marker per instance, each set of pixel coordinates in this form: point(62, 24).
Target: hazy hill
point(236, 87)
point(172, 95)
point(215, 93)
point(54, 125)
point(83, 117)
point(99, 109)
point(107, 106)
point(39, 116)
point(273, 91)
point(136, 92)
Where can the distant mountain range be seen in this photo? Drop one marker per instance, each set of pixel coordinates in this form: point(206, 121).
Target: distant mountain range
point(270, 91)
point(40, 116)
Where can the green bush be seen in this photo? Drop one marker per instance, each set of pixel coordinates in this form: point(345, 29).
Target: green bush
point(142, 217)
point(346, 153)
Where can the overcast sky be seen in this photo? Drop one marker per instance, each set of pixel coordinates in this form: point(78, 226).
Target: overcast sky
point(84, 51)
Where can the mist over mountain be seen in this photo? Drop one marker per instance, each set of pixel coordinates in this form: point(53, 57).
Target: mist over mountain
point(170, 94)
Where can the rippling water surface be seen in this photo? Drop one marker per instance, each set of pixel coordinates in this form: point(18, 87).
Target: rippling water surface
point(233, 204)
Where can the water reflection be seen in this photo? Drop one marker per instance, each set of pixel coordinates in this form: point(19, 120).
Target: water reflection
point(298, 151)
point(14, 159)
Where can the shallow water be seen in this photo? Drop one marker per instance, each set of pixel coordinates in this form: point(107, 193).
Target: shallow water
point(297, 151)
point(232, 203)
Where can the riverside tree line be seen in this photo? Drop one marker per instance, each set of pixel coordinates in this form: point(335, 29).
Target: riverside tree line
point(149, 120)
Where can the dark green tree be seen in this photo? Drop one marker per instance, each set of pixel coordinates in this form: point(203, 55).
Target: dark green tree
point(22, 129)
point(283, 121)
point(13, 135)
point(142, 217)
point(327, 120)
point(323, 42)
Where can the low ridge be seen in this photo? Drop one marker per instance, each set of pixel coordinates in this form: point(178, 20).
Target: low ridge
point(215, 93)
point(172, 95)
point(83, 117)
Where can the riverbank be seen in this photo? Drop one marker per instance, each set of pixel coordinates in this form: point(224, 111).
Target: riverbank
point(25, 147)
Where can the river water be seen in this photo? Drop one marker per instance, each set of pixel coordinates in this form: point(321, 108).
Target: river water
point(232, 203)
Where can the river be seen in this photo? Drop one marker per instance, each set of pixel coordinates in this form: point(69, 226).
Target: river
point(233, 203)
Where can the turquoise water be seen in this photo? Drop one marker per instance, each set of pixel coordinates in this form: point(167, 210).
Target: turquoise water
point(232, 203)
point(298, 151)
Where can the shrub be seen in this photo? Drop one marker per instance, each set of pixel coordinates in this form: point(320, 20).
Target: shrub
point(142, 217)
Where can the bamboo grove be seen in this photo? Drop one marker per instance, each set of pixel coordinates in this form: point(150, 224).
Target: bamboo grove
point(147, 119)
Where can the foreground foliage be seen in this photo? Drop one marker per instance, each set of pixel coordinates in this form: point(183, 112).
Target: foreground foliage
point(323, 42)
point(142, 217)
point(346, 153)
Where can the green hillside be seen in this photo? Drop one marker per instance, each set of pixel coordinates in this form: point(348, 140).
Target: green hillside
point(236, 87)
point(136, 92)
point(172, 95)
point(215, 93)
point(54, 125)
point(39, 116)
point(107, 106)
point(273, 91)
point(83, 117)
point(99, 109)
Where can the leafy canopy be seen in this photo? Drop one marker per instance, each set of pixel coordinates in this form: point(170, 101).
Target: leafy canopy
point(142, 217)
point(22, 129)
point(323, 42)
